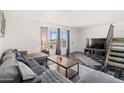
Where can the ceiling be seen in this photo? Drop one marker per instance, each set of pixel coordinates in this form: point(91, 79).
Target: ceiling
point(72, 18)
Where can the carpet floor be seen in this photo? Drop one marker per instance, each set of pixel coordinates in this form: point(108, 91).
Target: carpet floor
point(86, 66)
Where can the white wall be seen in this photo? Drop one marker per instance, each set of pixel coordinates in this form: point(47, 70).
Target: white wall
point(74, 40)
point(98, 32)
point(119, 29)
point(24, 34)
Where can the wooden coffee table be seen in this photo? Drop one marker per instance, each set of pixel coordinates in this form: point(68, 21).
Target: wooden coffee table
point(65, 63)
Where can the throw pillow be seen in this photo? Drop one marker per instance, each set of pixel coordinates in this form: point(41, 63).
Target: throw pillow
point(20, 57)
point(21, 60)
point(25, 71)
point(8, 54)
point(32, 63)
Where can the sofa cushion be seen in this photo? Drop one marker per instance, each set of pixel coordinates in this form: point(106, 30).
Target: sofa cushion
point(32, 63)
point(38, 69)
point(8, 54)
point(50, 76)
point(10, 74)
point(9, 71)
point(25, 71)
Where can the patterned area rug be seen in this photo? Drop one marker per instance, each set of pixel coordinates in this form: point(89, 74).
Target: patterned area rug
point(85, 60)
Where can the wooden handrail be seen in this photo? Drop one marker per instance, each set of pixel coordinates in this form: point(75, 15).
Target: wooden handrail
point(108, 43)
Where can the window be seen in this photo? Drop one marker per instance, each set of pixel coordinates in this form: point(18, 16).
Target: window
point(52, 38)
point(63, 35)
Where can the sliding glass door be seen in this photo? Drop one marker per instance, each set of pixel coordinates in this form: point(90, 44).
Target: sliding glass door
point(50, 38)
point(52, 35)
point(63, 41)
point(53, 41)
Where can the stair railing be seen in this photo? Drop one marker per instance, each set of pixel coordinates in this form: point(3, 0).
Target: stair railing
point(108, 43)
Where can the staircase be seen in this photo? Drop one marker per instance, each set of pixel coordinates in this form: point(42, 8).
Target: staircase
point(116, 53)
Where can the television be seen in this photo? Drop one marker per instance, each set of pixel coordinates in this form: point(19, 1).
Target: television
point(97, 43)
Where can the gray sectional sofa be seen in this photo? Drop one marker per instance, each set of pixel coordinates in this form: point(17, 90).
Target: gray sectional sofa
point(14, 70)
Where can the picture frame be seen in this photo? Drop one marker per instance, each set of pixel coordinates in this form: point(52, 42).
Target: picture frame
point(2, 24)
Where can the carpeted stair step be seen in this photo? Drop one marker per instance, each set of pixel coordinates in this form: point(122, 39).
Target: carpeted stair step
point(118, 40)
point(118, 49)
point(118, 44)
point(116, 59)
point(119, 65)
point(116, 54)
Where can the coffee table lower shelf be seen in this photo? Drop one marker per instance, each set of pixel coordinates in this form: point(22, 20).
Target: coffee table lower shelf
point(69, 74)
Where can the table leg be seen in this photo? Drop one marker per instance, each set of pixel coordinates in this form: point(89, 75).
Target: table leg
point(78, 68)
point(46, 63)
point(66, 72)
